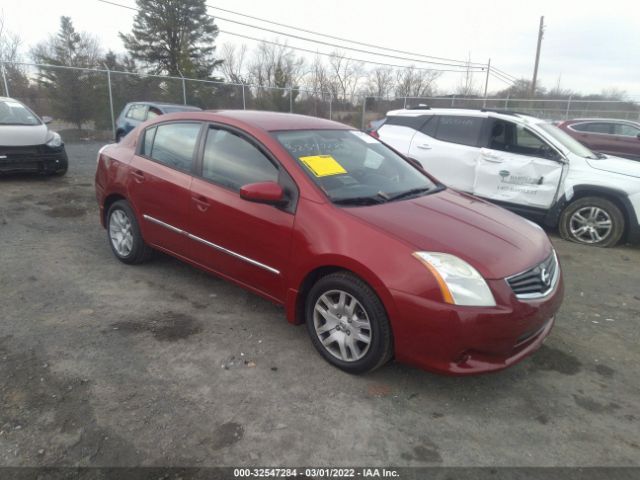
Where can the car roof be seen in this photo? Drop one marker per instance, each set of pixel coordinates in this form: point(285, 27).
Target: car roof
point(485, 113)
point(173, 105)
point(600, 119)
point(273, 121)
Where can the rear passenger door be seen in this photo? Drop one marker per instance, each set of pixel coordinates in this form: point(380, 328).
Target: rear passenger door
point(517, 166)
point(159, 182)
point(246, 241)
point(448, 148)
point(627, 139)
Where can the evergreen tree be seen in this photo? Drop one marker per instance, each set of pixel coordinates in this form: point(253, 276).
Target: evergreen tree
point(173, 37)
point(71, 91)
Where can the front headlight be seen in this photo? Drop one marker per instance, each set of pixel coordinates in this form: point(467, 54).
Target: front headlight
point(460, 283)
point(55, 141)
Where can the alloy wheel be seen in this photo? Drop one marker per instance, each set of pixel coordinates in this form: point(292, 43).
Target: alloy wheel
point(120, 233)
point(342, 325)
point(590, 224)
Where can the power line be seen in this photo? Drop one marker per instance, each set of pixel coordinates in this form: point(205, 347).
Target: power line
point(329, 44)
point(475, 69)
point(315, 52)
point(496, 75)
point(508, 75)
point(342, 39)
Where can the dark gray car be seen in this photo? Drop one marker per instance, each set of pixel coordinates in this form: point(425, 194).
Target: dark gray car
point(134, 113)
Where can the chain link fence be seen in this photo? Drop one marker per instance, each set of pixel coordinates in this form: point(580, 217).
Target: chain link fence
point(85, 102)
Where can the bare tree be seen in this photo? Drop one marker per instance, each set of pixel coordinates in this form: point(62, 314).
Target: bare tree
point(413, 82)
point(275, 65)
point(15, 74)
point(467, 85)
point(233, 63)
point(381, 82)
point(317, 77)
point(345, 75)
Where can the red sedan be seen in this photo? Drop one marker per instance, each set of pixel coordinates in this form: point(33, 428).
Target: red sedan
point(375, 256)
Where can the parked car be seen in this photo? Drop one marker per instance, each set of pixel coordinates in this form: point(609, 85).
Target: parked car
point(135, 113)
point(26, 143)
point(526, 165)
point(374, 255)
point(612, 137)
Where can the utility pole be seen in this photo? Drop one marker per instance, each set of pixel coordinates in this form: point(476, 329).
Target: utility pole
point(486, 83)
point(535, 68)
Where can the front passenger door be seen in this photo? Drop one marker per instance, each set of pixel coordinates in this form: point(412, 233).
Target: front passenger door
point(516, 166)
point(245, 241)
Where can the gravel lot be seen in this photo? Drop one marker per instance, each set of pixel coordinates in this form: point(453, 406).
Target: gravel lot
point(160, 364)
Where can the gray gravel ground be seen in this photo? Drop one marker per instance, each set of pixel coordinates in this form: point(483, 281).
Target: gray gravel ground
point(160, 364)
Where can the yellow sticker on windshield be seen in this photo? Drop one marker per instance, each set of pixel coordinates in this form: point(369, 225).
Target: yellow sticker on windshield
point(323, 165)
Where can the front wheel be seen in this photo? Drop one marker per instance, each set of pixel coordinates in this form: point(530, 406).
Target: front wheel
point(124, 234)
point(592, 221)
point(347, 323)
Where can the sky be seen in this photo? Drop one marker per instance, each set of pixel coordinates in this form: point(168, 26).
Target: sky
point(588, 46)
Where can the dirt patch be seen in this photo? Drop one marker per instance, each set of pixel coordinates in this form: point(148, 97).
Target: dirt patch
point(593, 406)
point(48, 418)
point(428, 452)
point(548, 358)
point(66, 212)
point(166, 327)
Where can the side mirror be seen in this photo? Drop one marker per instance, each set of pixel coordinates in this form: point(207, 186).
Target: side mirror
point(638, 136)
point(263, 192)
point(47, 120)
point(415, 163)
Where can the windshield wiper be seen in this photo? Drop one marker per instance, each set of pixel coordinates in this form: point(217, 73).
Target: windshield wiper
point(370, 200)
point(409, 193)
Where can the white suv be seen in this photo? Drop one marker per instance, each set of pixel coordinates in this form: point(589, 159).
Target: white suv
point(526, 165)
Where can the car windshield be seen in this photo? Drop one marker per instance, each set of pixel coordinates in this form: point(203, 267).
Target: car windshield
point(353, 168)
point(567, 141)
point(14, 113)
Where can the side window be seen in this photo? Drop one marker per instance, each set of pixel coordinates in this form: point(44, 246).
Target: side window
point(153, 113)
point(174, 144)
point(136, 112)
point(626, 130)
point(593, 127)
point(459, 129)
point(513, 138)
point(430, 127)
point(232, 161)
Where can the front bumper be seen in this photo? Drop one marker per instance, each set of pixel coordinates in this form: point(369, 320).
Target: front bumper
point(457, 340)
point(38, 158)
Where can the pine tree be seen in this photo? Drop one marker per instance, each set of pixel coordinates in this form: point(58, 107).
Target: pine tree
point(173, 37)
point(71, 91)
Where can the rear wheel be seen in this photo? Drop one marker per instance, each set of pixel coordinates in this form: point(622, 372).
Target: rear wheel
point(592, 221)
point(348, 324)
point(124, 234)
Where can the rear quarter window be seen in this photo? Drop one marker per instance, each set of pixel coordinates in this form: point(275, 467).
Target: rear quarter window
point(459, 129)
point(173, 144)
point(415, 122)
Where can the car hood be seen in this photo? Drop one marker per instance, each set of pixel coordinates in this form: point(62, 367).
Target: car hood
point(623, 166)
point(495, 241)
point(23, 135)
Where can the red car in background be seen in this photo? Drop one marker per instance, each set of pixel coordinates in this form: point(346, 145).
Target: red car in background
point(619, 138)
point(376, 257)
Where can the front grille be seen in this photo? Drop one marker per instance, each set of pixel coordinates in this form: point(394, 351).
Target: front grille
point(537, 281)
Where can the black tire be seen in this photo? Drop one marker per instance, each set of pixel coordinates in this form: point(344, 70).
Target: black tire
point(119, 136)
point(609, 208)
point(380, 348)
point(140, 251)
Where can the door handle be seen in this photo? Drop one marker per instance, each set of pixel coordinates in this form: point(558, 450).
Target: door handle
point(138, 175)
point(490, 157)
point(424, 146)
point(201, 202)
